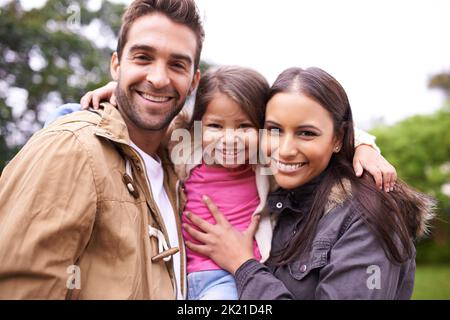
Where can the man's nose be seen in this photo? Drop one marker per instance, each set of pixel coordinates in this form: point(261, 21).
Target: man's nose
point(157, 75)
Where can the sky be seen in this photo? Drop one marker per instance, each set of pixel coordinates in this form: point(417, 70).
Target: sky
point(383, 52)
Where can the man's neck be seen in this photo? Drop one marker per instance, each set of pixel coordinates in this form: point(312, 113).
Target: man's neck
point(147, 141)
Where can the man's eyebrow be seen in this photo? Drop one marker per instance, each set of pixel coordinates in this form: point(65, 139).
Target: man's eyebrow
point(176, 56)
point(142, 47)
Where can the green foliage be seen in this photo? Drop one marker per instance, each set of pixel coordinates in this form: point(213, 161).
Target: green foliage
point(432, 283)
point(46, 52)
point(419, 148)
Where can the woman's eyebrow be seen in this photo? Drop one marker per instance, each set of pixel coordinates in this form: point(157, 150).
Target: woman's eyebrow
point(302, 126)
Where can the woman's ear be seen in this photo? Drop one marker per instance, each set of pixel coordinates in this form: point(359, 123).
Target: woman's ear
point(115, 66)
point(338, 141)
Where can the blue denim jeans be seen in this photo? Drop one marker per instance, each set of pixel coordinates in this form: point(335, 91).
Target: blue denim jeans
point(211, 285)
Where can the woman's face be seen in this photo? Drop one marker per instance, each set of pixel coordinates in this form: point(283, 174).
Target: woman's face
point(299, 139)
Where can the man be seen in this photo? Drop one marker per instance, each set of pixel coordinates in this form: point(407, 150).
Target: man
point(80, 217)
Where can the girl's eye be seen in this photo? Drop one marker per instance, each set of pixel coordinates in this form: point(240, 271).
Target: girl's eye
point(273, 130)
point(246, 126)
point(214, 125)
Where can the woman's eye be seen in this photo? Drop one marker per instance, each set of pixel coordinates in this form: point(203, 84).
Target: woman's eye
point(307, 134)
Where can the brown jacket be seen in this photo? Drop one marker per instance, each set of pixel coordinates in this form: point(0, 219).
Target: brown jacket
point(63, 202)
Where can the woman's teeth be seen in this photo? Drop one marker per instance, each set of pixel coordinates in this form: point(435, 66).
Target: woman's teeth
point(289, 167)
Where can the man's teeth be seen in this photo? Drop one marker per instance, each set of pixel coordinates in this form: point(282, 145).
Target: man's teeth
point(289, 167)
point(154, 98)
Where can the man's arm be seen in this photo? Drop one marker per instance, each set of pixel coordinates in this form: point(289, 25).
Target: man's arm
point(47, 210)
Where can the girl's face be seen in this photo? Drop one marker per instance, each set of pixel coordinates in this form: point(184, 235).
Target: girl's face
point(230, 139)
point(304, 143)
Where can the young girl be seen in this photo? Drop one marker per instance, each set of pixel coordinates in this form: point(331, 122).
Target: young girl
point(337, 236)
point(230, 103)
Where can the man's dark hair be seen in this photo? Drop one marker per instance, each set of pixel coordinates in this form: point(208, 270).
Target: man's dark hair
point(180, 11)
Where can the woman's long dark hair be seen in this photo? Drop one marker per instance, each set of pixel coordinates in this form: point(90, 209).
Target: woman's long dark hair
point(392, 217)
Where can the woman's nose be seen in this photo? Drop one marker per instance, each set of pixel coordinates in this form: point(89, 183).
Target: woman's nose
point(287, 147)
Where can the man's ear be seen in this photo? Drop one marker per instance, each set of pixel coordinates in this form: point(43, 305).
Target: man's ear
point(195, 81)
point(115, 66)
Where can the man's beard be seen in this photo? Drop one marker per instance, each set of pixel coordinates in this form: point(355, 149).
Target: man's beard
point(126, 105)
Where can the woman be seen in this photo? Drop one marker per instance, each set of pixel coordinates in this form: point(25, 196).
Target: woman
point(336, 236)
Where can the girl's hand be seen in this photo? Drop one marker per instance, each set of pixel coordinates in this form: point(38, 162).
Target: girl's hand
point(221, 242)
point(367, 158)
point(103, 93)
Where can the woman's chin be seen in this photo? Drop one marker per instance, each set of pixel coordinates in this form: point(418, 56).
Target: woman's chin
point(288, 182)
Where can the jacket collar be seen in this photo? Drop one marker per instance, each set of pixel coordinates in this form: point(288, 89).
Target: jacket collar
point(298, 200)
point(112, 125)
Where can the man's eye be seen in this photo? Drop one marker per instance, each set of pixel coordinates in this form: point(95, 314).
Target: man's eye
point(142, 57)
point(178, 65)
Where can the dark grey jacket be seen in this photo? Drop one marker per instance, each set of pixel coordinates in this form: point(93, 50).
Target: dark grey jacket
point(346, 261)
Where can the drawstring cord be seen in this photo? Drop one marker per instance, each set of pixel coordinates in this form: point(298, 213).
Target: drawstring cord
point(164, 252)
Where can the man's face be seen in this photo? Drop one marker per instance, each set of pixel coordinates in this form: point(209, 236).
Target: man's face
point(156, 71)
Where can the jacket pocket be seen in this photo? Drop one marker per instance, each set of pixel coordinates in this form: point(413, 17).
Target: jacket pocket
point(316, 258)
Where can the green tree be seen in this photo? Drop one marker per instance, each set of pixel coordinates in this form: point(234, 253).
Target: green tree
point(51, 55)
point(419, 148)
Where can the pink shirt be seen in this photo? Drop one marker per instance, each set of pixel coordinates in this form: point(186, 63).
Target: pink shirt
point(234, 193)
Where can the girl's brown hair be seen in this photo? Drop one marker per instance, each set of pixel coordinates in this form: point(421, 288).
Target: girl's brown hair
point(248, 88)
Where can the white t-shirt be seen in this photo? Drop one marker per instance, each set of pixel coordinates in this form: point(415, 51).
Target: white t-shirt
point(155, 176)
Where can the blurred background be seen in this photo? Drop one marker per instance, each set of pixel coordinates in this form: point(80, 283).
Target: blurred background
point(392, 57)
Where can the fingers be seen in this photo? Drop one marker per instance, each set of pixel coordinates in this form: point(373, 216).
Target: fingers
point(357, 167)
point(218, 216)
point(86, 100)
point(251, 230)
point(113, 100)
point(377, 174)
point(202, 249)
point(199, 222)
point(389, 177)
point(96, 101)
point(197, 235)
